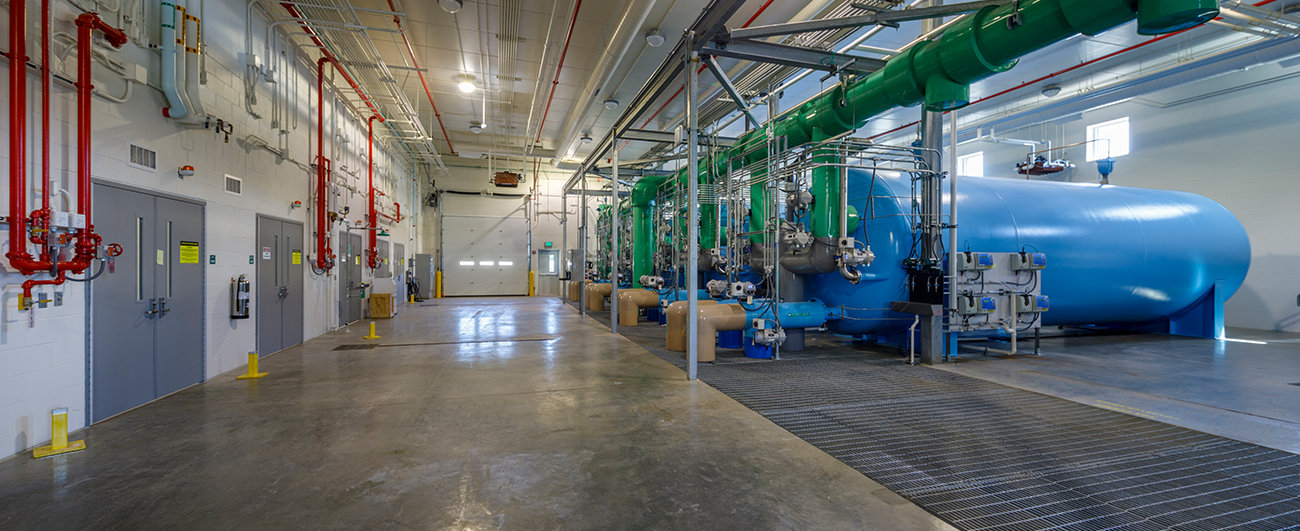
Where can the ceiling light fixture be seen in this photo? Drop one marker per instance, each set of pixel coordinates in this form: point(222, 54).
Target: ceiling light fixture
point(586, 139)
point(611, 104)
point(654, 38)
point(1051, 90)
point(477, 127)
point(466, 83)
point(451, 6)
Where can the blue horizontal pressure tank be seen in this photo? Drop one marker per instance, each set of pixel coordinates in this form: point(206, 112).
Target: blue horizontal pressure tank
point(1115, 254)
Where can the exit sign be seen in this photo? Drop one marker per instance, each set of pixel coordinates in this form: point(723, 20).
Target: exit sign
point(548, 244)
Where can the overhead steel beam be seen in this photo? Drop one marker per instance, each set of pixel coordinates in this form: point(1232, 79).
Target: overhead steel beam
point(666, 137)
point(871, 19)
point(796, 56)
point(731, 89)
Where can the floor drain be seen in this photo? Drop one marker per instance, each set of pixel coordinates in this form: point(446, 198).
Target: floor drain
point(355, 347)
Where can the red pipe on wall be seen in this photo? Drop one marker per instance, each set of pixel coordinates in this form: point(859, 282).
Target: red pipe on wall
point(18, 256)
point(373, 254)
point(87, 247)
point(324, 253)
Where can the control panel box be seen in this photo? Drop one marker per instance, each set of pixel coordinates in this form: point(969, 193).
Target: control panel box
point(1028, 303)
point(1028, 261)
point(998, 291)
point(975, 305)
point(969, 261)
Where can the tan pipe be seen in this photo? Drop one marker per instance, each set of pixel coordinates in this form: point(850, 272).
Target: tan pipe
point(677, 330)
point(575, 290)
point(630, 303)
point(596, 294)
point(713, 319)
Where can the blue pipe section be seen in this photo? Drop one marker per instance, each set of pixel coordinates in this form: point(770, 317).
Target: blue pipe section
point(1115, 254)
point(810, 314)
point(680, 295)
point(176, 106)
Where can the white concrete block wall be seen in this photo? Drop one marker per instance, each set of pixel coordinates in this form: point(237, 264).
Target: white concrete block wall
point(1237, 148)
point(44, 367)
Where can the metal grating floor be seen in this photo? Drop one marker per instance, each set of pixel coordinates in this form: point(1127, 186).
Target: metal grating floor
point(983, 456)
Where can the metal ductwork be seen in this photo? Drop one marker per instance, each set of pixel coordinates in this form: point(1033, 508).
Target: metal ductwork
point(628, 31)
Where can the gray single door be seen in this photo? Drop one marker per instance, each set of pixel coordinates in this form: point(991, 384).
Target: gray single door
point(178, 286)
point(147, 309)
point(279, 285)
point(351, 254)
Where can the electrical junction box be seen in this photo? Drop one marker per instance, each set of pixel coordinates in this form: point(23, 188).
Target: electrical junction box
point(60, 219)
point(1028, 303)
point(976, 305)
point(974, 261)
point(1028, 261)
point(78, 221)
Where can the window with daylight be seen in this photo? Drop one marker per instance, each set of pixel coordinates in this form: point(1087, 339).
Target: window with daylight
point(1108, 139)
point(971, 165)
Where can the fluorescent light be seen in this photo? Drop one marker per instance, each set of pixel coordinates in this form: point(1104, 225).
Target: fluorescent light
point(467, 262)
point(485, 263)
point(505, 263)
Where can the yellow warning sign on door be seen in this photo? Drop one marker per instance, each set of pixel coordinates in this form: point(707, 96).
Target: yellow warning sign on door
point(297, 257)
point(189, 252)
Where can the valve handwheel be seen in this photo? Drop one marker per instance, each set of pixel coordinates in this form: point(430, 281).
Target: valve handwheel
point(114, 249)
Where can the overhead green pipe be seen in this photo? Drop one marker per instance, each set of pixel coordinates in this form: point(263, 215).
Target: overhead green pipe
point(939, 73)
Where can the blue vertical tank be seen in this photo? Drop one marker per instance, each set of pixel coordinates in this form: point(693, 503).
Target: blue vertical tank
point(1115, 254)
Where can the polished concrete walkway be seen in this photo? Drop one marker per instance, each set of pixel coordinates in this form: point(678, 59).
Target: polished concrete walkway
point(469, 414)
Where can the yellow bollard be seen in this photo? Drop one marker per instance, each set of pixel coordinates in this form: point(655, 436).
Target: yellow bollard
point(372, 335)
point(437, 284)
point(252, 369)
point(412, 298)
point(58, 437)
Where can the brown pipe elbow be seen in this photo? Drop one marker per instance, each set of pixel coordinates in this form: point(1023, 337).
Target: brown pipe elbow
point(713, 319)
point(630, 303)
point(677, 325)
point(596, 294)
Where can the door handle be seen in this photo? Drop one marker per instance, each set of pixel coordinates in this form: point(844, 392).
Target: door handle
point(153, 308)
point(162, 307)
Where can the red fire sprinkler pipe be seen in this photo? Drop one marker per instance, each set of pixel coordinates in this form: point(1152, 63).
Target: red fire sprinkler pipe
point(324, 254)
point(18, 256)
point(44, 216)
point(398, 20)
point(87, 247)
point(373, 254)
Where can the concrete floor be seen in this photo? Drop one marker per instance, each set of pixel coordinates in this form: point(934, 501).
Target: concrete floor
point(511, 413)
point(1242, 390)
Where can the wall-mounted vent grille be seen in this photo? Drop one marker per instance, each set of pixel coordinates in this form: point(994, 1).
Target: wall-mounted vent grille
point(144, 157)
point(234, 185)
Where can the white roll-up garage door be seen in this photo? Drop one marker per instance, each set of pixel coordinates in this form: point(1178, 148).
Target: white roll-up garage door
point(484, 246)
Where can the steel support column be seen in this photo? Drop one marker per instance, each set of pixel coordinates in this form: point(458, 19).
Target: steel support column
point(613, 258)
point(692, 60)
point(931, 327)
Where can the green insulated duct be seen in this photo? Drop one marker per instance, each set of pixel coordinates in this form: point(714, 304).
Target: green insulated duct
point(938, 74)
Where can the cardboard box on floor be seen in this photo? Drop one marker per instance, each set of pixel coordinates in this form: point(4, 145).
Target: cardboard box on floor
point(381, 306)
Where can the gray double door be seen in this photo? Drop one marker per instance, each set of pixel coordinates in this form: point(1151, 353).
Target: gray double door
point(351, 289)
point(279, 284)
point(147, 310)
